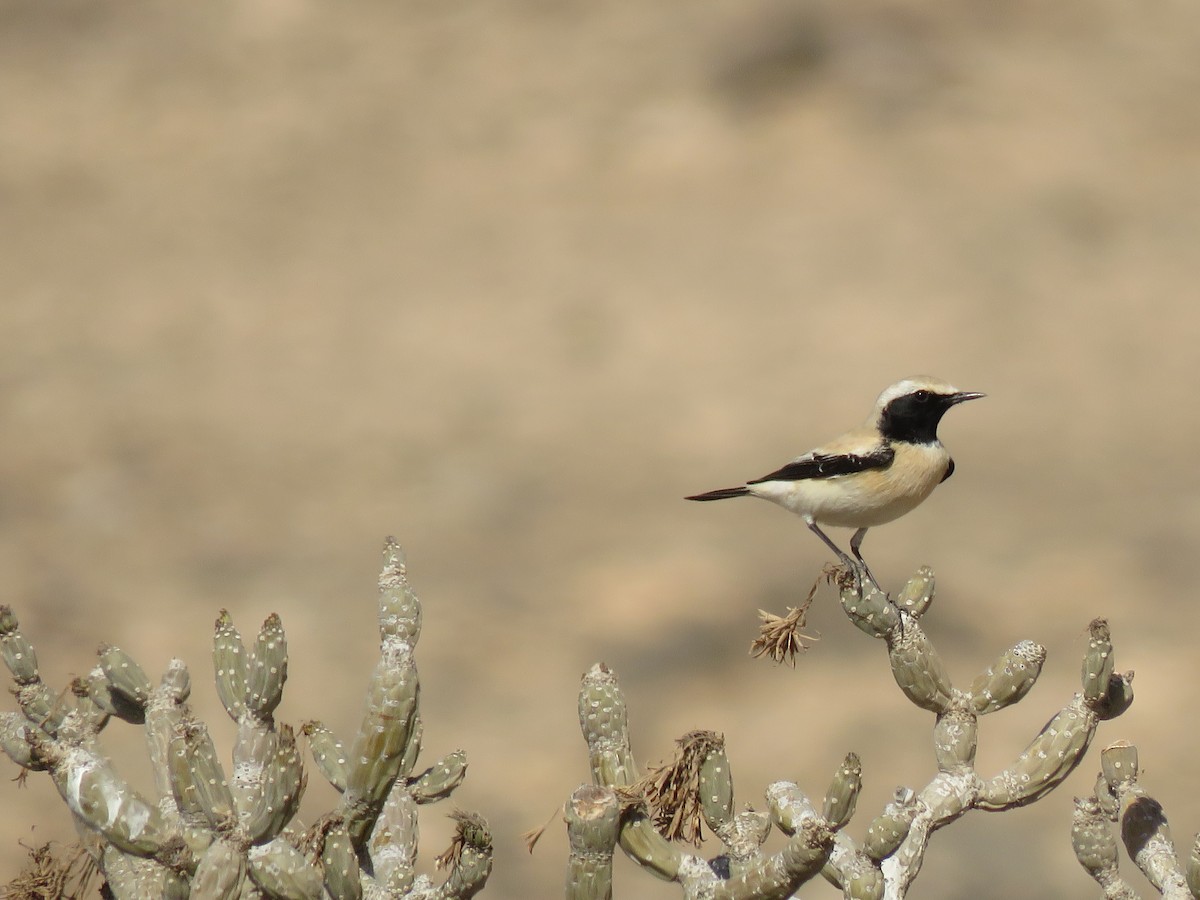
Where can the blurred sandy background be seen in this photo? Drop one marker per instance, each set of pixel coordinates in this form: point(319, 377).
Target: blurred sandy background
point(508, 280)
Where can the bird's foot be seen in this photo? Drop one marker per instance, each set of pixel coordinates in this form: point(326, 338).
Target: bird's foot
point(860, 572)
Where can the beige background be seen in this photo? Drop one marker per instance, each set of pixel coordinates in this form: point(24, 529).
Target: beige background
point(508, 280)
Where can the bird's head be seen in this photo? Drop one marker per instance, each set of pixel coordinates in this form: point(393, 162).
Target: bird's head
point(910, 410)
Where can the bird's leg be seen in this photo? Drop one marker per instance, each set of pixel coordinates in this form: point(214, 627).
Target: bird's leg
point(841, 554)
point(855, 544)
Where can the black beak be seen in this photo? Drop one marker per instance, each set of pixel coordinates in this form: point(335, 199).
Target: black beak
point(963, 397)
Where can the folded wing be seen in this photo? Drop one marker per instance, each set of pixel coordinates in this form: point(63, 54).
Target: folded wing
point(830, 465)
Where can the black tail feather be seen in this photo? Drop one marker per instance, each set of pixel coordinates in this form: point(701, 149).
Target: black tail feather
point(722, 494)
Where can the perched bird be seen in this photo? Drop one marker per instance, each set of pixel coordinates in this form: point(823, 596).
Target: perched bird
point(870, 475)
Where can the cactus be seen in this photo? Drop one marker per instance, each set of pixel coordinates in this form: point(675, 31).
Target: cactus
point(1119, 799)
point(217, 833)
point(658, 812)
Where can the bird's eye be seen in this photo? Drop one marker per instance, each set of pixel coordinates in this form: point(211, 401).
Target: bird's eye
point(921, 396)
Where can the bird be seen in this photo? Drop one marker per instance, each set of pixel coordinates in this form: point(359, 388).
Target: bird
point(871, 475)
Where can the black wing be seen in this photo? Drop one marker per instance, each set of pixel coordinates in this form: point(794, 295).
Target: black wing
point(830, 465)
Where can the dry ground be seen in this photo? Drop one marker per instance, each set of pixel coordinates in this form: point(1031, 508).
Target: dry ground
point(508, 280)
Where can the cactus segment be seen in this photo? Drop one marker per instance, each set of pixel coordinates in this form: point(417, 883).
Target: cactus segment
point(919, 670)
point(593, 817)
point(393, 843)
point(399, 608)
point(221, 873)
point(124, 674)
point(781, 874)
point(1008, 679)
point(229, 665)
point(343, 878)
point(281, 870)
point(917, 594)
point(266, 669)
point(605, 724)
point(469, 857)
point(16, 650)
point(715, 786)
point(102, 799)
point(1050, 757)
point(955, 737)
point(378, 750)
point(869, 608)
point(1097, 662)
point(1093, 841)
point(327, 752)
point(15, 732)
point(282, 788)
point(198, 782)
point(842, 796)
point(888, 830)
point(439, 780)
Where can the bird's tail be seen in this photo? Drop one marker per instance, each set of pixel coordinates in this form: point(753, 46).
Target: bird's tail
point(722, 494)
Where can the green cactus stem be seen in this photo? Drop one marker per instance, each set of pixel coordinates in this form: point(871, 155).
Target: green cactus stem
point(842, 797)
point(266, 669)
point(1098, 661)
point(221, 873)
point(871, 610)
point(439, 780)
point(378, 750)
point(919, 670)
point(714, 782)
point(1096, 848)
point(955, 737)
point(343, 877)
point(282, 788)
point(327, 752)
point(125, 676)
point(889, 829)
point(781, 874)
point(281, 870)
point(399, 608)
point(229, 666)
point(469, 857)
point(1144, 828)
point(743, 838)
point(1008, 679)
point(212, 835)
point(917, 594)
point(15, 650)
point(1192, 870)
point(605, 725)
point(593, 817)
point(393, 844)
point(197, 780)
